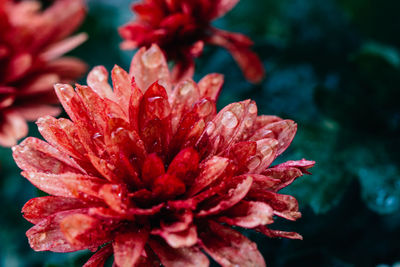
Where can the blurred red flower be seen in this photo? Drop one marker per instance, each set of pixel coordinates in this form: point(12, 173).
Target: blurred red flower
point(153, 174)
point(32, 42)
point(182, 27)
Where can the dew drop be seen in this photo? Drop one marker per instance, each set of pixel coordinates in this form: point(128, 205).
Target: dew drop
point(97, 136)
point(252, 108)
point(229, 120)
point(186, 89)
point(99, 75)
point(215, 80)
point(237, 108)
point(210, 128)
point(248, 122)
point(205, 109)
point(152, 58)
point(42, 236)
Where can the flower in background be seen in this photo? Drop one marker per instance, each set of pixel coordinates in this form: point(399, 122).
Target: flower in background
point(182, 27)
point(32, 42)
point(153, 174)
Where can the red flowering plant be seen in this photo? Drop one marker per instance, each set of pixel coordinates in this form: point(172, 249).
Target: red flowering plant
point(32, 42)
point(182, 27)
point(151, 173)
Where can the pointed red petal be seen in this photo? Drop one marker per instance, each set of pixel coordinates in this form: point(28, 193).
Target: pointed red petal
point(265, 155)
point(283, 131)
point(46, 235)
point(211, 170)
point(180, 257)
point(61, 133)
point(285, 176)
point(248, 214)
point(276, 233)
point(149, 66)
point(185, 238)
point(210, 86)
point(232, 124)
point(183, 97)
point(184, 165)
point(34, 155)
point(168, 186)
point(98, 81)
point(153, 167)
point(122, 87)
point(231, 195)
point(154, 119)
point(230, 248)
point(39, 208)
point(129, 246)
point(85, 231)
point(100, 257)
point(238, 45)
point(49, 183)
point(285, 206)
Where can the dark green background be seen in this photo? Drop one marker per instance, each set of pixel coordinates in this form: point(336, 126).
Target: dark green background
point(334, 68)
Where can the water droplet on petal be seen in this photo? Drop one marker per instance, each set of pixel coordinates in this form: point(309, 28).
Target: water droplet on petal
point(237, 108)
point(42, 236)
point(215, 80)
point(210, 128)
point(186, 89)
point(229, 120)
point(248, 122)
point(99, 75)
point(152, 58)
point(253, 108)
point(205, 109)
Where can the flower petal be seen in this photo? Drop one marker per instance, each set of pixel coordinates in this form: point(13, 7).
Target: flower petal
point(210, 86)
point(233, 123)
point(276, 233)
point(230, 248)
point(284, 206)
point(284, 175)
point(149, 66)
point(12, 128)
point(47, 235)
point(238, 45)
point(248, 214)
point(234, 192)
point(184, 95)
point(185, 165)
point(303, 165)
point(100, 257)
point(265, 155)
point(82, 230)
point(283, 131)
point(128, 247)
point(186, 238)
point(39, 208)
point(34, 155)
point(210, 171)
point(98, 81)
point(180, 257)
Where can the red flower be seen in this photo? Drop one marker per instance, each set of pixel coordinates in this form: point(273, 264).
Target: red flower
point(182, 27)
point(31, 45)
point(155, 176)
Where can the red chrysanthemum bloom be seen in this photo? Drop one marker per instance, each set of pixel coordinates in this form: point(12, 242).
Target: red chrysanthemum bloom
point(153, 174)
point(32, 42)
point(182, 27)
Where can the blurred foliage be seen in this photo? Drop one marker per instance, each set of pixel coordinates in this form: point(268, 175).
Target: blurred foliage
point(333, 66)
